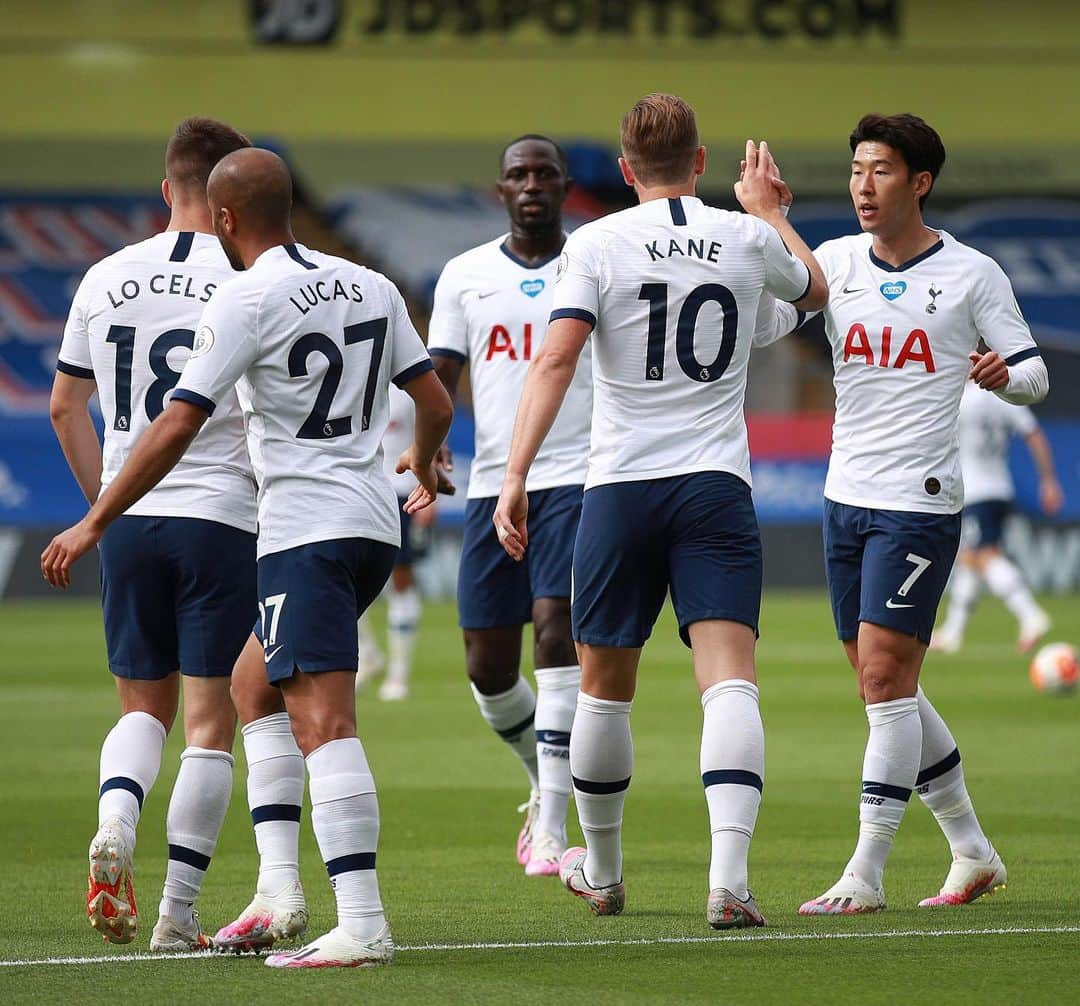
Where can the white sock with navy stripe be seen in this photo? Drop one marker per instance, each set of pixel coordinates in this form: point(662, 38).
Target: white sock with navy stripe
point(403, 609)
point(940, 785)
point(890, 766)
point(130, 762)
point(345, 818)
point(601, 764)
point(732, 771)
point(200, 798)
point(512, 714)
point(275, 789)
point(556, 703)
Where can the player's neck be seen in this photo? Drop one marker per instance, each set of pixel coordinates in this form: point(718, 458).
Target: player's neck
point(535, 246)
point(251, 249)
point(905, 244)
point(190, 219)
point(646, 194)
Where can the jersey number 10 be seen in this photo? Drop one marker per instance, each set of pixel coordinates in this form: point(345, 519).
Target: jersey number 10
point(686, 328)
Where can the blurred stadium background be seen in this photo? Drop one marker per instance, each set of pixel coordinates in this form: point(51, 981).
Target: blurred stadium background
point(392, 115)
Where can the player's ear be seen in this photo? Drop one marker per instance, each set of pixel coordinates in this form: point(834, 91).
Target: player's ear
point(699, 161)
point(923, 183)
point(627, 172)
point(166, 192)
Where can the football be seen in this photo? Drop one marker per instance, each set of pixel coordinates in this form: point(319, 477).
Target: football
point(1055, 669)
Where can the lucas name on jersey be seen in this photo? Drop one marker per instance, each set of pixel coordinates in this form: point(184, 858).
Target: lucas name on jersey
point(175, 285)
point(312, 294)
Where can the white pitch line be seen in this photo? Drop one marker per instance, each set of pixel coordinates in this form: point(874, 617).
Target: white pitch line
point(889, 934)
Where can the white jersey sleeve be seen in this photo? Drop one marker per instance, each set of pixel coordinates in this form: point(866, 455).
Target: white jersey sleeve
point(74, 357)
point(775, 320)
point(226, 343)
point(786, 277)
point(448, 330)
point(577, 286)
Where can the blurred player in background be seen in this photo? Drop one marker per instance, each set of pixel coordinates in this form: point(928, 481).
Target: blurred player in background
point(987, 424)
point(315, 341)
point(178, 568)
point(907, 308)
point(669, 291)
point(404, 603)
point(491, 309)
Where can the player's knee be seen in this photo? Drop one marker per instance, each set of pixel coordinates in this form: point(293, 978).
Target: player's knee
point(315, 728)
point(552, 644)
point(884, 677)
point(214, 733)
point(491, 676)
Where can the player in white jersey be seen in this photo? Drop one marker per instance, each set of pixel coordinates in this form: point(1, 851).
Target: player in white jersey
point(987, 425)
point(178, 568)
point(907, 308)
point(491, 309)
point(670, 291)
point(314, 341)
point(404, 603)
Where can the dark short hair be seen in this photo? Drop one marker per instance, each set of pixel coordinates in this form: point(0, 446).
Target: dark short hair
point(196, 145)
point(918, 143)
point(660, 139)
point(560, 154)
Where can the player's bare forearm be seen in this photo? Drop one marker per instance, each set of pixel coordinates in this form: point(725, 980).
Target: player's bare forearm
point(1039, 448)
point(448, 370)
point(818, 294)
point(549, 376)
point(434, 414)
point(70, 415)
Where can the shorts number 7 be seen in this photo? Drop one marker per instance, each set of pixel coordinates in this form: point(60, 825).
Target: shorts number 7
point(921, 566)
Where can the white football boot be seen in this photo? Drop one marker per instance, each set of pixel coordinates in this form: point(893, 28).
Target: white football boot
point(544, 855)
point(969, 879)
point(110, 890)
point(172, 936)
point(850, 895)
point(266, 921)
point(337, 949)
point(1032, 629)
point(393, 690)
point(531, 809)
point(726, 911)
point(601, 900)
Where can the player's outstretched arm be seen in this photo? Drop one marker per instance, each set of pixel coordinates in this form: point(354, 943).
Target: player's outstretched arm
point(69, 410)
point(549, 376)
point(1051, 498)
point(154, 455)
point(448, 370)
point(760, 191)
point(434, 413)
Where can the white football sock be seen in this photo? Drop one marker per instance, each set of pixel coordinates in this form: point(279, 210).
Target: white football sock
point(556, 702)
point(732, 771)
point(275, 789)
point(963, 593)
point(403, 619)
point(890, 766)
point(1006, 582)
point(511, 714)
point(130, 762)
point(601, 763)
point(345, 817)
point(200, 798)
point(369, 656)
point(940, 785)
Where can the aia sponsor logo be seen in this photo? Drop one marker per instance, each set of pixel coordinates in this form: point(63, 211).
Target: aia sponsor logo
point(877, 351)
point(500, 341)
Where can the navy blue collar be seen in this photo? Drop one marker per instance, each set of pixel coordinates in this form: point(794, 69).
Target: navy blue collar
point(889, 267)
point(530, 265)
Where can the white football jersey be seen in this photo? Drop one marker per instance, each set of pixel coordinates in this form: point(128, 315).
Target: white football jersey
point(492, 311)
point(987, 424)
point(131, 328)
point(900, 341)
point(313, 341)
point(673, 288)
point(398, 439)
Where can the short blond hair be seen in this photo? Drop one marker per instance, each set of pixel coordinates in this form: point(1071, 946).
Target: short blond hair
point(659, 139)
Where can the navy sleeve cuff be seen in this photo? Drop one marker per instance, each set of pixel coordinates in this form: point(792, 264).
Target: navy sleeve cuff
point(194, 398)
point(1024, 354)
point(809, 283)
point(414, 371)
point(800, 317)
point(72, 371)
point(450, 354)
point(577, 313)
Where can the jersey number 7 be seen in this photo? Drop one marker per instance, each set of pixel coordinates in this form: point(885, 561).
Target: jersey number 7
point(657, 296)
point(319, 425)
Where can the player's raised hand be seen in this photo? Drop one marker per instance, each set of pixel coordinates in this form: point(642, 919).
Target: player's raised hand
point(755, 189)
point(64, 550)
point(444, 458)
point(511, 519)
point(1051, 498)
point(989, 371)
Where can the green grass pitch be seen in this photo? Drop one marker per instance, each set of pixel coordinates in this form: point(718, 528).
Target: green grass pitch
point(448, 791)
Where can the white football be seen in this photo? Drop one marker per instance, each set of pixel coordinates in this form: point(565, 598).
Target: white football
point(1055, 669)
